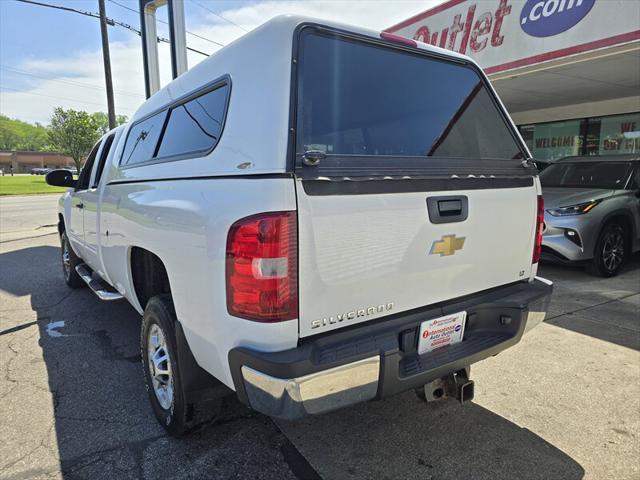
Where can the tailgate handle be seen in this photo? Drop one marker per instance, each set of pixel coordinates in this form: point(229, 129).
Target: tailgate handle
point(448, 209)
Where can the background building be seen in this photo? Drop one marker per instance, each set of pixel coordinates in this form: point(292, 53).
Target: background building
point(23, 162)
point(567, 70)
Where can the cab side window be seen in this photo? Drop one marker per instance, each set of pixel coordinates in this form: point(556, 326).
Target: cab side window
point(103, 159)
point(85, 173)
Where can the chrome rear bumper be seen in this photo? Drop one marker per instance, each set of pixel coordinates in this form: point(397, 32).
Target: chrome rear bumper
point(315, 393)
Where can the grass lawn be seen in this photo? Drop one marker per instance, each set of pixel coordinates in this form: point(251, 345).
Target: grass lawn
point(26, 185)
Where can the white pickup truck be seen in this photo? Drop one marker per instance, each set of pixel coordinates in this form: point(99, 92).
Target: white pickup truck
point(316, 215)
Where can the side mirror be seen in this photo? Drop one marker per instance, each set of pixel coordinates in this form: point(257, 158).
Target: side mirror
point(60, 178)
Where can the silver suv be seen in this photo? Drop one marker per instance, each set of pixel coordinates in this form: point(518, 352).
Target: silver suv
point(592, 211)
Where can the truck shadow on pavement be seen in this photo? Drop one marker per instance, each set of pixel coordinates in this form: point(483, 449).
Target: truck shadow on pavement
point(603, 308)
point(402, 437)
point(102, 425)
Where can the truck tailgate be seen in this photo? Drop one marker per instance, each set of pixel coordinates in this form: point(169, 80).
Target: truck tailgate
point(365, 256)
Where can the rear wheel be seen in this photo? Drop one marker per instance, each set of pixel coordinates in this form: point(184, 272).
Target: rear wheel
point(69, 263)
point(173, 408)
point(610, 252)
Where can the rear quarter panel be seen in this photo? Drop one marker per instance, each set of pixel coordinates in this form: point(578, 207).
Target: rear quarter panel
point(185, 223)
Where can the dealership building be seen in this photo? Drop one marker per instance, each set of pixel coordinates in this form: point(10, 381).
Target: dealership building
point(25, 161)
point(568, 71)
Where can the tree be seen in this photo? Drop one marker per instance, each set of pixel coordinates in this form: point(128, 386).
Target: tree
point(103, 121)
point(73, 132)
point(19, 135)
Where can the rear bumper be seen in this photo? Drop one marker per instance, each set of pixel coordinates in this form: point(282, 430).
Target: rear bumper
point(378, 359)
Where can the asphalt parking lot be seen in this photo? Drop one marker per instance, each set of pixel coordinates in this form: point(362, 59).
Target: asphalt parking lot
point(562, 404)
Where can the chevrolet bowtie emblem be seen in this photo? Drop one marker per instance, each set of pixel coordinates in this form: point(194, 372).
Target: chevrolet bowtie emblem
point(447, 245)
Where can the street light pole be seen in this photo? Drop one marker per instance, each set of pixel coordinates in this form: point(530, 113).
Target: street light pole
point(107, 64)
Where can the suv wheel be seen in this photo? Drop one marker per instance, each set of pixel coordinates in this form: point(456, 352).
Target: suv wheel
point(69, 263)
point(610, 252)
point(173, 408)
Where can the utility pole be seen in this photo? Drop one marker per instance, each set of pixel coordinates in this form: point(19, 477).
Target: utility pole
point(107, 64)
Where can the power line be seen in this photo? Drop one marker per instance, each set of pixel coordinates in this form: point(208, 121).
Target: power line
point(127, 8)
point(217, 15)
point(159, 39)
point(110, 21)
point(68, 82)
point(58, 98)
point(60, 7)
point(167, 23)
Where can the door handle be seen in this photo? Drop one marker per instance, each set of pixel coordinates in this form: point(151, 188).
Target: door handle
point(448, 209)
point(80, 206)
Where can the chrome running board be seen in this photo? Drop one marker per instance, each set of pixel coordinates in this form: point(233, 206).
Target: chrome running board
point(102, 289)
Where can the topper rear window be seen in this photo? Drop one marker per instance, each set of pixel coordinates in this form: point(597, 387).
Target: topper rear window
point(361, 99)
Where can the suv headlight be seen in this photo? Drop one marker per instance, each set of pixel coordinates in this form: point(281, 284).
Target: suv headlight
point(579, 209)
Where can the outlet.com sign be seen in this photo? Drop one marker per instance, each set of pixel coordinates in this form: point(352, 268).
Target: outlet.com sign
point(499, 34)
point(542, 18)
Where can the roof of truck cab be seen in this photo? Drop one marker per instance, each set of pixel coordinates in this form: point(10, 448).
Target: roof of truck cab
point(286, 25)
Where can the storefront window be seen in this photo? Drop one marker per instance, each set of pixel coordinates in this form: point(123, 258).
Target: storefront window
point(620, 134)
point(612, 135)
point(592, 137)
point(527, 135)
point(555, 140)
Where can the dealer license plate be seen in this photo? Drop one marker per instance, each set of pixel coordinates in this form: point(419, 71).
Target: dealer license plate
point(440, 332)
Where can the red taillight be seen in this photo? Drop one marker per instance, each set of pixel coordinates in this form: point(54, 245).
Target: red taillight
point(537, 245)
point(262, 267)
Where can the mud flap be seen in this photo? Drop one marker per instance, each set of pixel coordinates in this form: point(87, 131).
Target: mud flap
point(198, 384)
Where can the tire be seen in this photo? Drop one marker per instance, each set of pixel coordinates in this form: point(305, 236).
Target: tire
point(69, 263)
point(611, 251)
point(175, 411)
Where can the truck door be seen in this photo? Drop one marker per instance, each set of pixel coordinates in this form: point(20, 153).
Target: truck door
point(91, 195)
point(75, 229)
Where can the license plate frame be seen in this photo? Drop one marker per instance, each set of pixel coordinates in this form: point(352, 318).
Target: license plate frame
point(441, 332)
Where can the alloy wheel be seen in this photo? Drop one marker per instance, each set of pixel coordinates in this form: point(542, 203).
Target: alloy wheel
point(66, 259)
point(613, 251)
point(159, 364)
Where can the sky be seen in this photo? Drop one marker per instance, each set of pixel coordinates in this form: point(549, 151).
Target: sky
point(51, 58)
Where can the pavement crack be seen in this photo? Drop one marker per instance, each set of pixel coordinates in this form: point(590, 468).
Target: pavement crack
point(137, 449)
point(7, 375)
point(64, 297)
point(41, 444)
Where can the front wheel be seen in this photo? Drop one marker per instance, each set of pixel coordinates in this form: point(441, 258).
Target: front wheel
point(69, 263)
point(610, 252)
point(173, 408)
